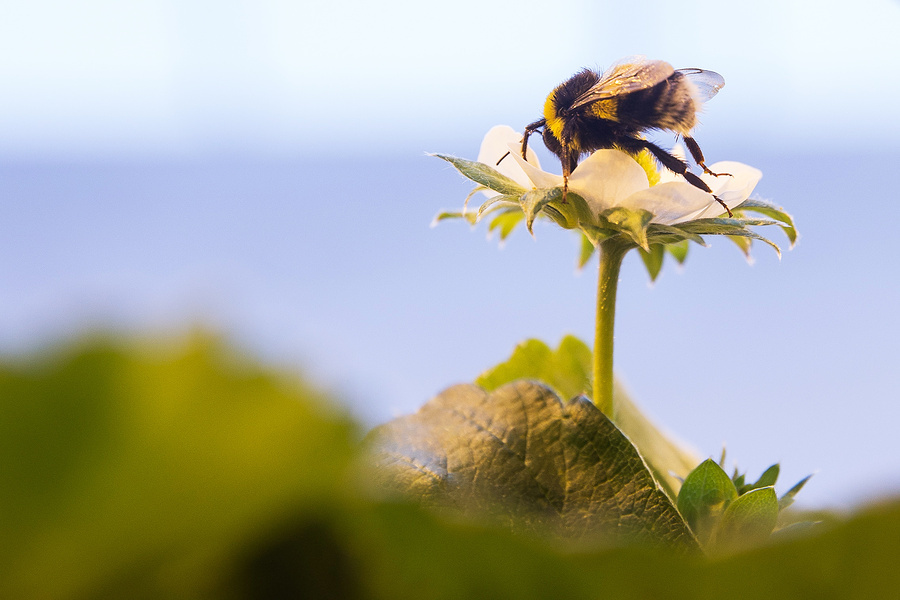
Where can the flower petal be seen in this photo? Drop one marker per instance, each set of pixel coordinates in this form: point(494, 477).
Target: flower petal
point(734, 189)
point(606, 178)
point(494, 145)
point(672, 202)
point(537, 178)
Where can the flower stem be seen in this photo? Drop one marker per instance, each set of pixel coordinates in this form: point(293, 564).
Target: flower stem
point(612, 251)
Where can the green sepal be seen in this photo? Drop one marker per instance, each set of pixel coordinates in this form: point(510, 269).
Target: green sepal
point(671, 234)
point(484, 175)
point(471, 217)
point(730, 227)
point(575, 210)
point(748, 521)
point(744, 243)
point(475, 190)
point(633, 223)
point(496, 203)
point(679, 250)
point(552, 212)
point(721, 225)
point(653, 260)
point(506, 221)
point(586, 251)
point(705, 495)
point(773, 212)
point(533, 201)
point(595, 235)
point(788, 498)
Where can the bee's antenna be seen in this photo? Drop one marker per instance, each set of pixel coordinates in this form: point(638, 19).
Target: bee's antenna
point(501, 158)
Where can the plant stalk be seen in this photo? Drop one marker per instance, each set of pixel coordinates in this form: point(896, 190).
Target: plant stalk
point(612, 251)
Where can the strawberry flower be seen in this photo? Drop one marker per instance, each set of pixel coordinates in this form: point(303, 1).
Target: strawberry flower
point(613, 194)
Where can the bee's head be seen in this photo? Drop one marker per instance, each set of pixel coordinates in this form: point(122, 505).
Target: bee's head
point(551, 142)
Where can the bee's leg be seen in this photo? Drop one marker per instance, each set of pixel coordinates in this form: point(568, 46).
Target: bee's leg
point(567, 169)
point(670, 162)
point(529, 129)
point(695, 151)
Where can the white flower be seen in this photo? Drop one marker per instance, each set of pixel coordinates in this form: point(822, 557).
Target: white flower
point(612, 178)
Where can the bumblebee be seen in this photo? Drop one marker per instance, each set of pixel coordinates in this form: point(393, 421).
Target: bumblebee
point(613, 109)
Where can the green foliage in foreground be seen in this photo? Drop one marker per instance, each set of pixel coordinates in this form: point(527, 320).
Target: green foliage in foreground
point(184, 471)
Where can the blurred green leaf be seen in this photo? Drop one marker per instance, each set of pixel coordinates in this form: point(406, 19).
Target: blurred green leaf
point(181, 470)
point(529, 460)
point(138, 463)
point(705, 494)
point(567, 369)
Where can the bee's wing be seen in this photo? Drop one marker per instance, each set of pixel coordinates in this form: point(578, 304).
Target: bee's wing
point(708, 83)
point(624, 78)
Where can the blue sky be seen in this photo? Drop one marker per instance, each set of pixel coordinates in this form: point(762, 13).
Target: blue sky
point(186, 78)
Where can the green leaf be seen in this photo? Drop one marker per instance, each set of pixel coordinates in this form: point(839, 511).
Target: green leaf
point(633, 223)
point(525, 458)
point(484, 175)
point(748, 521)
point(767, 479)
point(506, 221)
point(653, 260)
point(788, 498)
point(535, 200)
point(568, 371)
point(706, 493)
